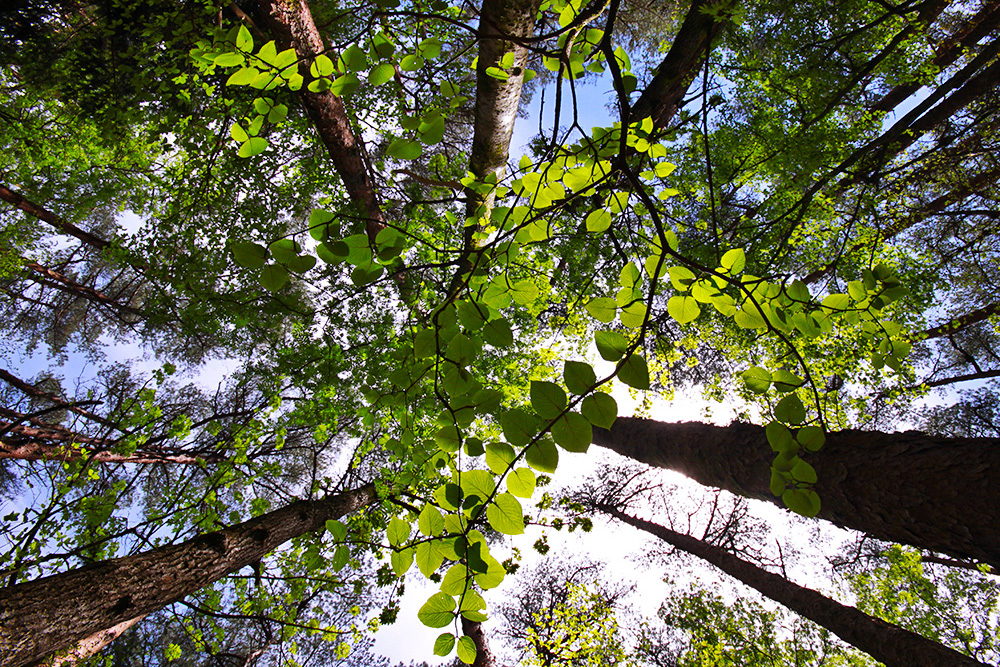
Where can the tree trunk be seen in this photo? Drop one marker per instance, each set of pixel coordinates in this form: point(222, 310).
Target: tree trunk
point(51, 218)
point(960, 322)
point(887, 643)
point(484, 657)
point(48, 278)
point(665, 93)
point(502, 26)
point(934, 493)
point(46, 615)
point(31, 390)
point(291, 23)
point(87, 647)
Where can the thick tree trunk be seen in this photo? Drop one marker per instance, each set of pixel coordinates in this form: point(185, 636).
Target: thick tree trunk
point(291, 23)
point(51, 218)
point(933, 493)
point(887, 643)
point(665, 93)
point(33, 443)
point(47, 615)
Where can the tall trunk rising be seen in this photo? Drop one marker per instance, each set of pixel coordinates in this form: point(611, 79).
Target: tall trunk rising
point(885, 642)
point(48, 614)
point(933, 493)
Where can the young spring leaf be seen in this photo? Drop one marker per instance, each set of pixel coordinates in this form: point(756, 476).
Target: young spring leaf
point(573, 433)
point(634, 372)
point(611, 345)
point(438, 611)
point(542, 456)
point(273, 277)
point(505, 515)
point(521, 482)
point(398, 531)
point(466, 650)
point(790, 410)
point(444, 644)
point(579, 377)
point(602, 309)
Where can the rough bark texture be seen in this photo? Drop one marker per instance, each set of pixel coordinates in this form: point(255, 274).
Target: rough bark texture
point(39, 444)
point(933, 493)
point(47, 615)
point(665, 93)
point(292, 25)
point(887, 643)
point(502, 23)
point(51, 218)
point(484, 657)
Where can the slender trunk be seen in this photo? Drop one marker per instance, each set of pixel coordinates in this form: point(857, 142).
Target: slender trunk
point(948, 52)
point(934, 493)
point(959, 323)
point(887, 643)
point(33, 391)
point(46, 615)
point(664, 95)
point(502, 24)
point(51, 218)
point(955, 379)
point(484, 657)
point(291, 23)
point(49, 278)
point(960, 564)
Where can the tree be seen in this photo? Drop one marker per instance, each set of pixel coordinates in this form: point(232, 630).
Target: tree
point(397, 318)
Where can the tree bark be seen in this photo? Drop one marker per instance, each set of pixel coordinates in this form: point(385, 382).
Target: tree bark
point(31, 390)
point(48, 614)
point(664, 95)
point(934, 493)
point(503, 24)
point(291, 23)
point(484, 657)
point(87, 647)
point(960, 322)
point(51, 218)
point(887, 643)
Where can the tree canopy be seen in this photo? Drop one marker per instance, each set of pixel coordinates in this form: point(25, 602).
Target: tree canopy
point(428, 281)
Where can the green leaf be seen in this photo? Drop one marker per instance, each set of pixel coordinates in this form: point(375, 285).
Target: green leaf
point(524, 292)
point(780, 438)
point(429, 557)
point(518, 426)
point(404, 149)
point(444, 644)
point(684, 309)
point(749, 318)
point(812, 438)
point(757, 379)
point(398, 531)
point(381, 73)
point(273, 277)
point(542, 456)
point(579, 377)
point(734, 261)
point(573, 432)
point(242, 77)
point(521, 482)
point(681, 278)
point(598, 221)
point(337, 529)
point(803, 472)
point(802, 501)
point(634, 372)
point(400, 561)
point(790, 410)
point(785, 381)
point(778, 482)
point(366, 274)
point(611, 345)
point(547, 399)
point(602, 309)
point(477, 483)
point(248, 255)
point(252, 146)
point(505, 515)
point(411, 63)
point(449, 496)
point(466, 650)
point(430, 522)
point(634, 314)
point(438, 611)
point(354, 59)
point(600, 409)
point(498, 333)
point(499, 456)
